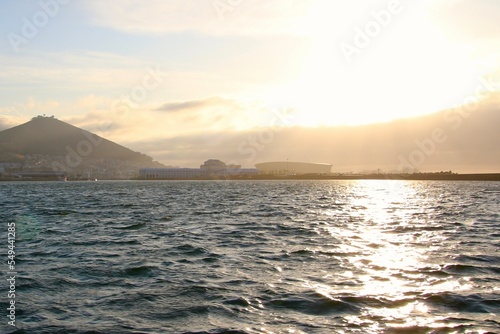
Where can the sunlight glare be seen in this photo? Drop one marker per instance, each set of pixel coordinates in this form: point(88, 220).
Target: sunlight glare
point(384, 82)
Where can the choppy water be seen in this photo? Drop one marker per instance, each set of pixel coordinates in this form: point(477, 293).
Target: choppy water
point(254, 257)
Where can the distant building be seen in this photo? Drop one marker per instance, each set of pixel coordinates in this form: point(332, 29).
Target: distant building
point(210, 168)
point(213, 165)
point(169, 173)
point(293, 168)
point(42, 175)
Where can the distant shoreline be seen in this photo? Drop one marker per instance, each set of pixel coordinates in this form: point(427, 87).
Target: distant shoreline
point(408, 177)
point(403, 177)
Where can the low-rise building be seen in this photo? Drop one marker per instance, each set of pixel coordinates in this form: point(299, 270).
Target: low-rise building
point(211, 168)
point(293, 168)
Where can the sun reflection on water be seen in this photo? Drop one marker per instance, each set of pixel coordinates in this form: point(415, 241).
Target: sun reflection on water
point(389, 239)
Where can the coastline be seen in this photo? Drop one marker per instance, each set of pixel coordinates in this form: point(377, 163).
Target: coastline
point(407, 177)
point(403, 177)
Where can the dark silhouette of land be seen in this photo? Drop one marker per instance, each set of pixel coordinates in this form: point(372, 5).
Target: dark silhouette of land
point(438, 176)
point(47, 145)
point(46, 148)
point(52, 137)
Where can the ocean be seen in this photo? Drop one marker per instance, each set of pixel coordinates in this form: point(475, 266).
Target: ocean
point(251, 257)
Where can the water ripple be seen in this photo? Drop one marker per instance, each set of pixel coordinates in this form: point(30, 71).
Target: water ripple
point(255, 257)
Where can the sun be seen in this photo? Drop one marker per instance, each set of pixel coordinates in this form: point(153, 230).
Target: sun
point(403, 71)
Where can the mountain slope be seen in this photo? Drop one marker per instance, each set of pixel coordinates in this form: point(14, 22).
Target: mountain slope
point(52, 137)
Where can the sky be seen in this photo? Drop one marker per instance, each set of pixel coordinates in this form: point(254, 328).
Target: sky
point(176, 78)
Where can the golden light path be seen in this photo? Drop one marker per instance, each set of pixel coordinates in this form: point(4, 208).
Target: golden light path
point(387, 258)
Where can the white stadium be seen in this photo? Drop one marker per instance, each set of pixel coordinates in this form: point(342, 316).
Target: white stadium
point(293, 168)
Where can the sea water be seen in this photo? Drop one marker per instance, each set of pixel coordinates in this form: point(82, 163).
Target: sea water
point(253, 257)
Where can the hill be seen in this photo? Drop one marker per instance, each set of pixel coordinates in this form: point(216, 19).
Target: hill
point(51, 137)
point(46, 144)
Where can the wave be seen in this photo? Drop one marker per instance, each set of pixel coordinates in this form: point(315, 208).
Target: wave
point(259, 257)
point(220, 331)
point(474, 303)
point(470, 269)
point(135, 226)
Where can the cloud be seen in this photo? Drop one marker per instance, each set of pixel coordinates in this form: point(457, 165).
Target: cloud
point(22, 112)
point(189, 106)
point(207, 16)
point(472, 140)
point(74, 73)
point(469, 19)
point(9, 121)
point(472, 145)
point(127, 124)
